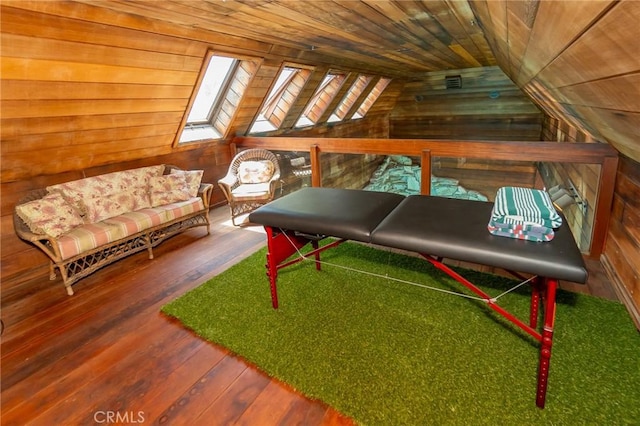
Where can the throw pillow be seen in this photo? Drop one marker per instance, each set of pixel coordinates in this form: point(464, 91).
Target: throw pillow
point(193, 178)
point(255, 171)
point(51, 215)
point(168, 189)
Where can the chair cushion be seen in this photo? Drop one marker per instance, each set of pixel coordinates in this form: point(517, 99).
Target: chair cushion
point(255, 171)
point(251, 190)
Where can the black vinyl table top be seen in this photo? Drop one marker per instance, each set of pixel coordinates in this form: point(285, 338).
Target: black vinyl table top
point(343, 213)
point(437, 226)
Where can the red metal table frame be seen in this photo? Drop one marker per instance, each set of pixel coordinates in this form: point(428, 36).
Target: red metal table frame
point(282, 244)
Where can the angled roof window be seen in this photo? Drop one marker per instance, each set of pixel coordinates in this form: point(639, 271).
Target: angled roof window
point(283, 94)
point(371, 97)
point(221, 87)
point(350, 98)
point(321, 99)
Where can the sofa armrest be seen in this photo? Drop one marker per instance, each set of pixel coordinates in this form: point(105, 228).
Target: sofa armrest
point(204, 192)
point(44, 242)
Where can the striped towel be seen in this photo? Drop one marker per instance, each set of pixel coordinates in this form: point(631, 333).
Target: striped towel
point(522, 232)
point(524, 213)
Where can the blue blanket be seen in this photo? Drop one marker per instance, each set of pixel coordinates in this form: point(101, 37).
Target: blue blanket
point(397, 174)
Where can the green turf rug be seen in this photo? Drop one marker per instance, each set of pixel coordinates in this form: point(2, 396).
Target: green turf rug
point(389, 353)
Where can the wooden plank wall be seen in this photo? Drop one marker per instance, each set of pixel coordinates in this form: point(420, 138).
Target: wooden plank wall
point(427, 109)
point(82, 98)
point(621, 256)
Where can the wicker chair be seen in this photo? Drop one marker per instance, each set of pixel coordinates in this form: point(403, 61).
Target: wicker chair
point(246, 197)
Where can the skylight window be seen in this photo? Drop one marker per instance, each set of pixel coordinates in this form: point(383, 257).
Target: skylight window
point(321, 99)
point(221, 88)
point(217, 72)
point(350, 99)
point(371, 98)
point(283, 94)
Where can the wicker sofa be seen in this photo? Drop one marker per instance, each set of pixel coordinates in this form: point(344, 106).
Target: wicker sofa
point(89, 223)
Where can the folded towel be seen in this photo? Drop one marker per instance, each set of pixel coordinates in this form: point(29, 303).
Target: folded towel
point(521, 231)
point(523, 213)
point(524, 206)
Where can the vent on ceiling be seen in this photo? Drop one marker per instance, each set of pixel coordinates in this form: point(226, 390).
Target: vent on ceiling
point(453, 82)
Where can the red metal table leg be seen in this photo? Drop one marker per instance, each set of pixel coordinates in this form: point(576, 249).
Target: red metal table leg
point(280, 246)
point(534, 308)
point(546, 341)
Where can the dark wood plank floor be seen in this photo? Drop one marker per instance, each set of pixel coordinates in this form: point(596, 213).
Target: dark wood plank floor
point(107, 350)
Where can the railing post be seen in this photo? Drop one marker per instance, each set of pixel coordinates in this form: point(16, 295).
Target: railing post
point(316, 169)
point(425, 173)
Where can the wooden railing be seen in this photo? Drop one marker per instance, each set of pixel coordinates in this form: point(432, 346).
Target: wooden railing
point(586, 153)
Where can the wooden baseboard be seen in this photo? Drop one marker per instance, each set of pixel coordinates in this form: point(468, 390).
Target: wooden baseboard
point(622, 292)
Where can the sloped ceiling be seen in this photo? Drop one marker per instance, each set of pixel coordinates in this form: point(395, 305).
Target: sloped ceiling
point(578, 61)
point(401, 38)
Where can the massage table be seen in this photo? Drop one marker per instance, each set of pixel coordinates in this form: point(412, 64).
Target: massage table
point(436, 228)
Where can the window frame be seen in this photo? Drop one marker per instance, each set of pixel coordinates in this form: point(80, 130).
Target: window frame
point(293, 85)
point(356, 90)
point(368, 102)
point(326, 83)
point(204, 131)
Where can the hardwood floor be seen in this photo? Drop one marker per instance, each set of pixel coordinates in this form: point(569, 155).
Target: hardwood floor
point(108, 351)
point(107, 354)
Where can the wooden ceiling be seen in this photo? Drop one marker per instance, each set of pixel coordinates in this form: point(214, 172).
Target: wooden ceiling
point(399, 38)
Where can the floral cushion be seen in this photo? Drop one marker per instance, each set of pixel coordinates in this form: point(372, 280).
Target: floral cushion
point(193, 178)
point(255, 171)
point(107, 206)
point(80, 190)
point(51, 215)
point(168, 189)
